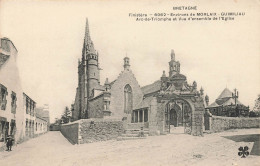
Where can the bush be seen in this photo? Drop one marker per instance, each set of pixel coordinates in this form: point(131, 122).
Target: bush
point(254, 114)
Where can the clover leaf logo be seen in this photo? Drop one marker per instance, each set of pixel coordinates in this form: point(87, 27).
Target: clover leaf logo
point(243, 151)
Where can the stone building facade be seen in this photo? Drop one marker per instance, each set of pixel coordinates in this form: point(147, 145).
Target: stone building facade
point(169, 101)
point(30, 116)
point(17, 110)
point(41, 125)
point(11, 98)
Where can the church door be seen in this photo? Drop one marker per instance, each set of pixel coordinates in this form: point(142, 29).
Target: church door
point(173, 118)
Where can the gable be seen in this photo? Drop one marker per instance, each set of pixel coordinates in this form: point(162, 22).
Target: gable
point(126, 77)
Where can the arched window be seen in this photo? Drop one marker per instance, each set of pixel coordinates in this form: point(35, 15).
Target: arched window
point(128, 99)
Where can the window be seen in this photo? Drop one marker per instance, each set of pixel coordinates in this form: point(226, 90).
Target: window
point(33, 107)
point(30, 105)
point(3, 95)
point(13, 103)
point(27, 106)
point(128, 99)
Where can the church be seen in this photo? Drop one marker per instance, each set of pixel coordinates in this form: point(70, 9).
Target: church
point(169, 101)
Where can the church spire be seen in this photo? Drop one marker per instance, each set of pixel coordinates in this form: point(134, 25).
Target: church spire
point(172, 55)
point(88, 44)
point(87, 35)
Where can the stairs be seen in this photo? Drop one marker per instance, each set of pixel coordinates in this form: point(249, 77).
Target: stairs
point(133, 134)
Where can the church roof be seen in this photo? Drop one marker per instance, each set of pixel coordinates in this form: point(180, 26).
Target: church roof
point(156, 86)
point(225, 93)
point(225, 99)
point(145, 103)
point(213, 105)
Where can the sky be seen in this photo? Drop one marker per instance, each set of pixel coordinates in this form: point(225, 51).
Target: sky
point(49, 37)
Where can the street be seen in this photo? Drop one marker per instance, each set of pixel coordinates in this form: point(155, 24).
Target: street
point(173, 149)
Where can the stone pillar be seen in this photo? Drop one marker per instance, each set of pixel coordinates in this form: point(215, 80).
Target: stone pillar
point(143, 115)
point(138, 116)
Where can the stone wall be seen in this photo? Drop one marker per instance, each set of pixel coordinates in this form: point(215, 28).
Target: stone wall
point(224, 123)
point(156, 118)
point(70, 131)
point(96, 107)
point(94, 130)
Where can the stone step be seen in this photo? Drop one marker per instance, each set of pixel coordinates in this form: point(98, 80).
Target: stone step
point(129, 138)
point(136, 131)
point(145, 129)
point(130, 135)
point(133, 135)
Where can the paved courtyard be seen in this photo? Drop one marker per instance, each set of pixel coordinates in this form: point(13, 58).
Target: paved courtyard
point(173, 149)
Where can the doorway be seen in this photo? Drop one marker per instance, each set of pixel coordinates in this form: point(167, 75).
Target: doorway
point(173, 117)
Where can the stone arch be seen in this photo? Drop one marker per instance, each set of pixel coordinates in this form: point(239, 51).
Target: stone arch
point(187, 112)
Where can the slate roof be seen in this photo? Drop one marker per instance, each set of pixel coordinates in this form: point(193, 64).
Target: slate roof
point(145, 103)
point(225, 93)
point(152, 87)
point(42, 114)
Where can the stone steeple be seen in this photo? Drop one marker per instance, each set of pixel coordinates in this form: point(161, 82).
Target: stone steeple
point(174, 66)
point(88, 46)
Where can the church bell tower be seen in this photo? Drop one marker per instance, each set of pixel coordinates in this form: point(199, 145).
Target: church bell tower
point(91, 60)
point(174, 66)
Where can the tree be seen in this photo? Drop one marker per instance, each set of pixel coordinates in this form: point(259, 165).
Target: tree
point(257, 104)
point(66, 115)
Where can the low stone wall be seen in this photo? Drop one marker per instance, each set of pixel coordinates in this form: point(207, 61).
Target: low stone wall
point(137, 125)
point(224, 123)
point(93, 130)
point(70, 131)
